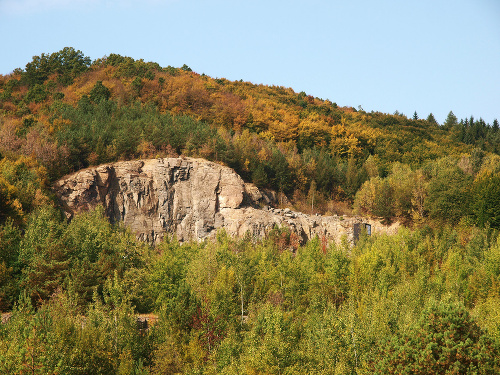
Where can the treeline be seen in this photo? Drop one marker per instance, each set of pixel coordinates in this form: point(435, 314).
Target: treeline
point(423, 301)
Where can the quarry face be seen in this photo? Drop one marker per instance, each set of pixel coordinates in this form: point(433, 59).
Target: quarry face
point(192, 199)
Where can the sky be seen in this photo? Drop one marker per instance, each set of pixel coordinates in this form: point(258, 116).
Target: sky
point(425, 56)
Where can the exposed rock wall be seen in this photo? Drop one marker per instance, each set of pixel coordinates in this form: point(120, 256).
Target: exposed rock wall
point(190, 198)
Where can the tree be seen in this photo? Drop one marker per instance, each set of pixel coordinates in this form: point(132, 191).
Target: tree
point(449, 195)
point(259, 176)
point(67, 63)
point(431, 119)
point(415, 116)
point(137, 85)
point(99, 92)
point(269, 346)
point(10, 238)
point(486, 199)
point(495, 126)
point(43, 255)
point(445, 340)
point(451, 121)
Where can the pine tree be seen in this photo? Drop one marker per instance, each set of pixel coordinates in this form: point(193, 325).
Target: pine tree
point(495, 125)
point(445, 340)
point(431, 119)
point(450, 121)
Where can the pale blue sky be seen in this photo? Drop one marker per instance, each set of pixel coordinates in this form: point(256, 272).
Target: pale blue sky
point(386, 55)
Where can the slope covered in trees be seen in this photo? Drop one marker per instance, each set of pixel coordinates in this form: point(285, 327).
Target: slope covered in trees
point(67, 113)
point(234, 306)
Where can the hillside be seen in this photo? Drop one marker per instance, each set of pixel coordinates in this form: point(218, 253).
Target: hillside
point(423, 300)
point(64, 113)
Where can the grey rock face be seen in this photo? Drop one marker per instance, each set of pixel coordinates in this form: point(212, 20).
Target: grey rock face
point(191, 198)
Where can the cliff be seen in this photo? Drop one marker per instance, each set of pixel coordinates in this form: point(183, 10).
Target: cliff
point(191, 198)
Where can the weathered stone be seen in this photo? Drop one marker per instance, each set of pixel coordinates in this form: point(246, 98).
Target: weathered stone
point(191, 198)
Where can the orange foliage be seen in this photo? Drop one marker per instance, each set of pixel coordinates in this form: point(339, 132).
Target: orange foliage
point(228, 111)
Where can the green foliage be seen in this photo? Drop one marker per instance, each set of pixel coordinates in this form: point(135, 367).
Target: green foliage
point(259, 176)
point(233, 305)
point(445, 340)
point(99, 92)
point(77, 257)
point(451, 120)
point(44, 259)
point(10, 238)
point(37, 93)
point(269, 345)
point(110, 133)
point(486, 200)
point(56, 339)
point(168, 287)
point(449, 195)
point(431, 119)
point(137, 86)
point(67, 63)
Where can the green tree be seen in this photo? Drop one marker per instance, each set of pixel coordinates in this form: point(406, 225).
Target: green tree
point(449, 195)
point(431, 119)
point(451, 121)
point(10, 239)
point(37, 93)
point(270, 345)
point(43, 255)
point(67, 63)
point(99, 92)
point(168, 287)
point(446, 340)
point(259, 176)
point(137, 85)
point(486, 200)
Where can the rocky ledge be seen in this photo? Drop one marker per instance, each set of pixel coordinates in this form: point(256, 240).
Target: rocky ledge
point(192, 198)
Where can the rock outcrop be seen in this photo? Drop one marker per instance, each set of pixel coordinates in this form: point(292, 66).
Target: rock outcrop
point(191, 198)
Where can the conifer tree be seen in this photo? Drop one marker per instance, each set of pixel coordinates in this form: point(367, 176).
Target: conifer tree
point(431, 119)
point(451, 121)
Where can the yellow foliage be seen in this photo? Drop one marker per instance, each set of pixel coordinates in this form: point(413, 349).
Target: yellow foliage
point(315, 128)
point(343, 142)
point(246, 165)
point(263, 154)
point(281, 131)
point(59, 124)
point(366, 196)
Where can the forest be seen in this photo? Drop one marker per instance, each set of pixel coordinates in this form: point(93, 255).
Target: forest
point(426, 300)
